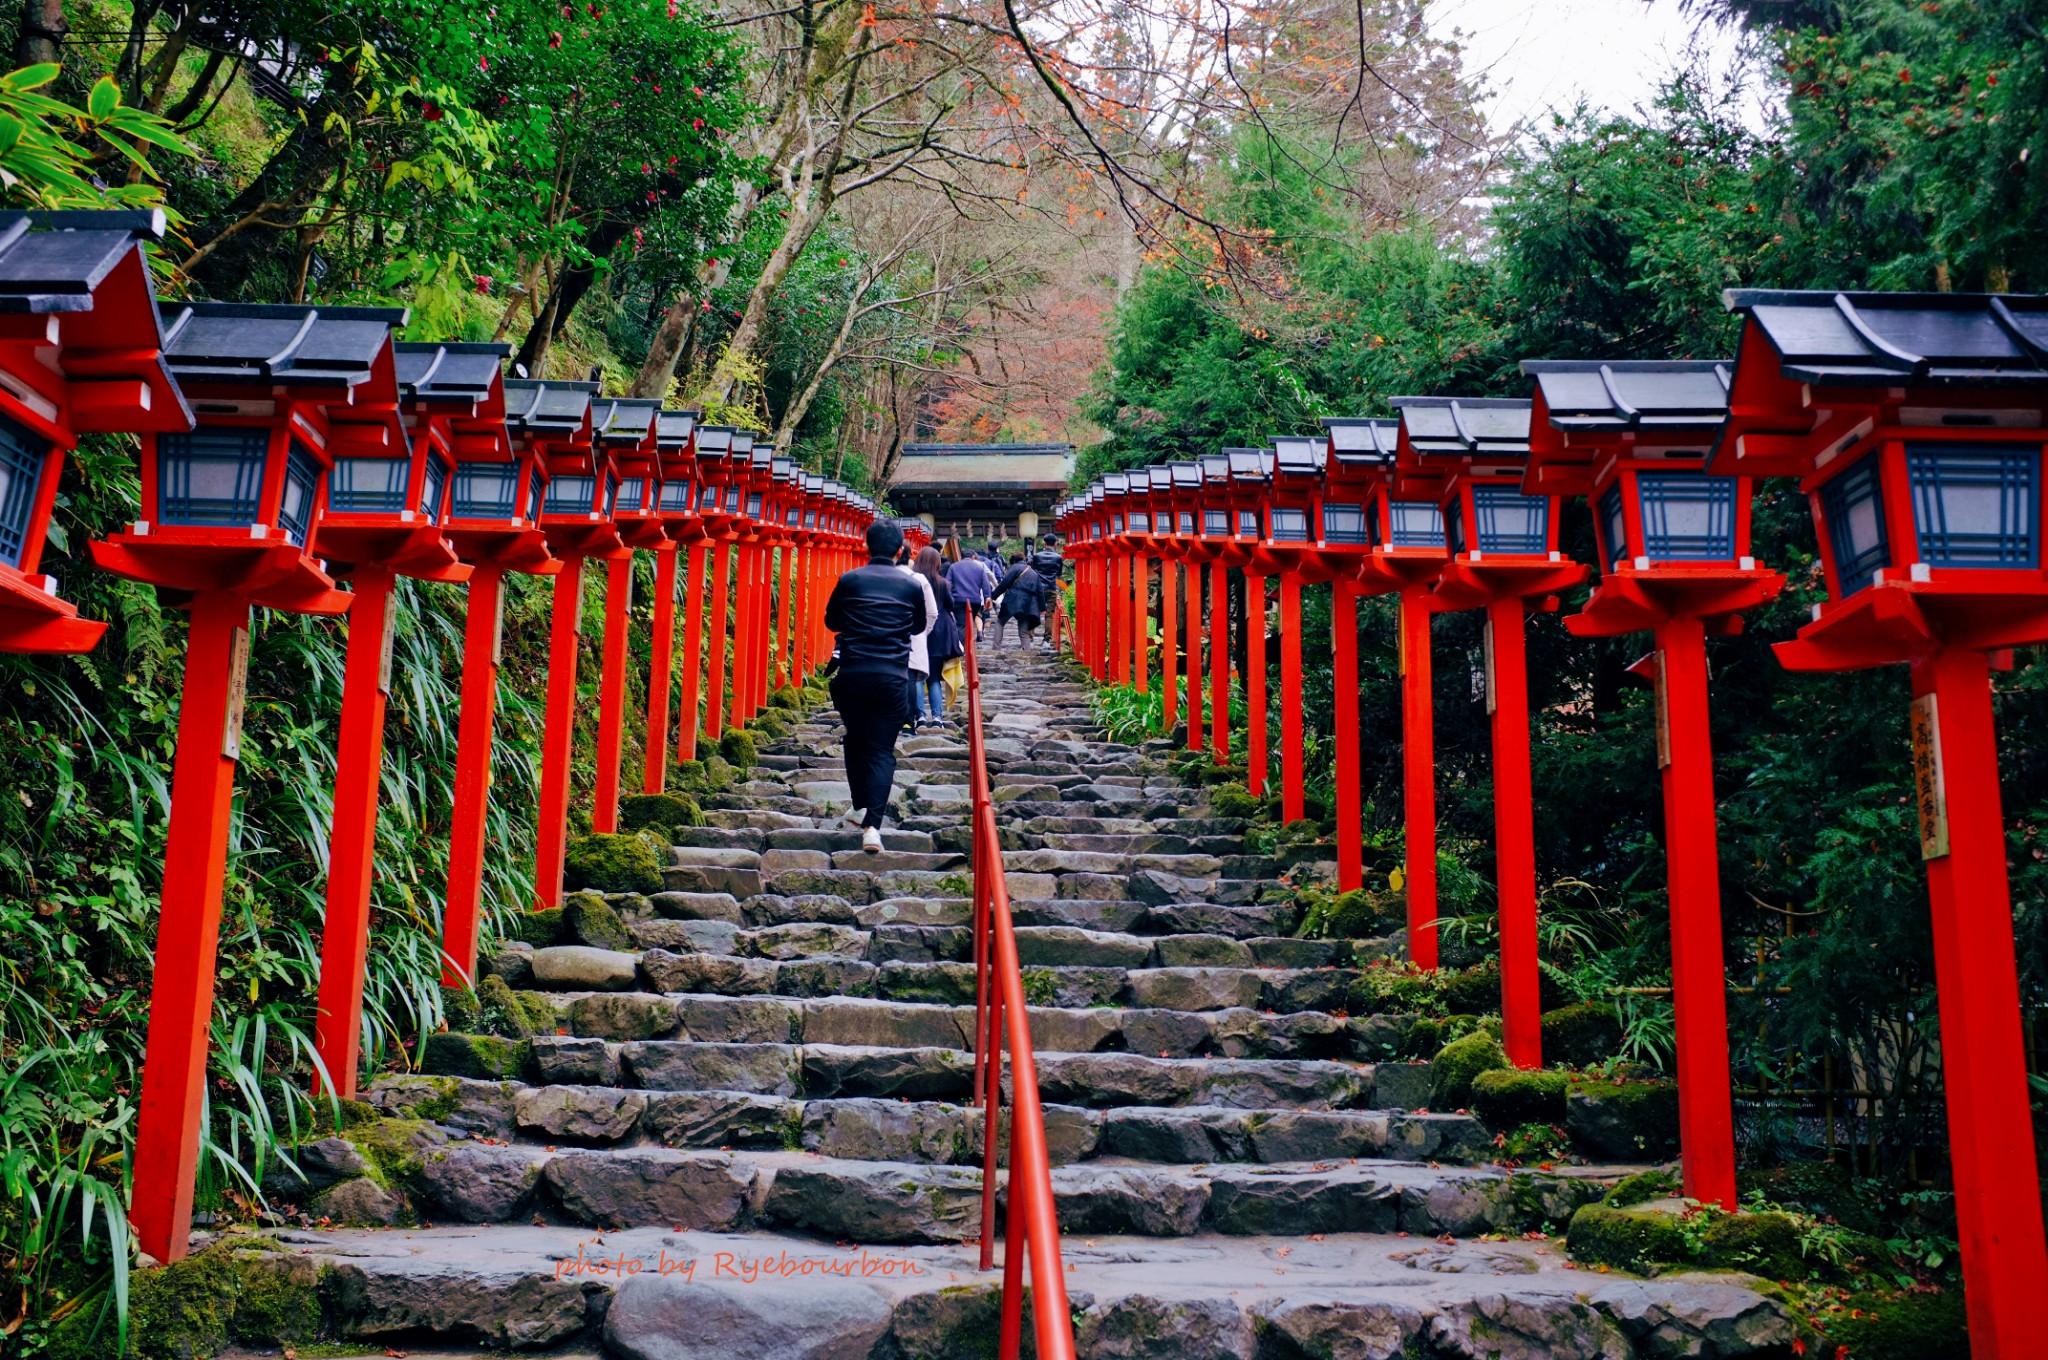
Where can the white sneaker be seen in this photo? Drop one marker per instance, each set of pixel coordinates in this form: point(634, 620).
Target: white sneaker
point(871, 841)
point(854, 816)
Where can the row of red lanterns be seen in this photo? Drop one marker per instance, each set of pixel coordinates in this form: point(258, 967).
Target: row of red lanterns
point(285, 448)
point(1918, 425)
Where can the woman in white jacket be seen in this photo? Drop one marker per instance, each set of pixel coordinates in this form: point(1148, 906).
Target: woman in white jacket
point(930, 696)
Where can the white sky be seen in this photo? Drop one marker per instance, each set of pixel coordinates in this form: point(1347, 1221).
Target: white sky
point(1537, 55)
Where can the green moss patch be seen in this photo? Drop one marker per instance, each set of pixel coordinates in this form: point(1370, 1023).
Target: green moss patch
point(667, 811)
point(590, 920)
point(612, 863)
point(1641, 1188)
point(511, 1014)
point(1507, 1099)
point(737, 746)
point(1626, 1239)
point(541, 928)
point(486, 1057)
point(1904, 1325)
point(1460, 1061)
point(1234, 800)
point(196, 1307)
point(1766, 1244)
point(1582, 1034)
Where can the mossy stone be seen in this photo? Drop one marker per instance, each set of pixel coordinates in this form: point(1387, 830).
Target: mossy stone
point(1508, 1099)
point(1234, 800)
point(787, 697)
point(279, 1301)
point(1626, 1239)
point(1765, 1244)
point(1624, 1119)
point(396, 1149)
point(460, 1009)
point(737, 746)
point(1475, 991)
point(718, 773)
point(1582, 1034)
point(690, 774)
point(772, 724)
point(487, 1057)
point(612, 863)
point(1461, 1060)
point(1641, 1188)
point(1821, 1189)
point(540, 928)
point(640, 811)
point(511, 1014)
point(1907, 1325)
point(590, 920)
point(1222, 774)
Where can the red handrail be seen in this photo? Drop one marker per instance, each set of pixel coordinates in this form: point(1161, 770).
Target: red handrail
point(1032, 1226)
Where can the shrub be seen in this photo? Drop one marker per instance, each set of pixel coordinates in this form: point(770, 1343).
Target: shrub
point(1582, 1034)
point(737, 746)
point(609, 864)
point(1506, 1099)
point(641, 811)
point(1624, 1239)
point(1451, 1075)
point(1234, 800)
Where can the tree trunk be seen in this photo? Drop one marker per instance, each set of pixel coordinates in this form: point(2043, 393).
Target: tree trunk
point(802, 224)
point(42, 35)
point(569, 289)
point(671, 338)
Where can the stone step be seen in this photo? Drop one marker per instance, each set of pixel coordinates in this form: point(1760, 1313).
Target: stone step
point(925, 1132)
point(655, 1294)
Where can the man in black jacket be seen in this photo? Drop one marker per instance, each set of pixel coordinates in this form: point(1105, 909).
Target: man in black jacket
point(875, 610)
point(1048, 564)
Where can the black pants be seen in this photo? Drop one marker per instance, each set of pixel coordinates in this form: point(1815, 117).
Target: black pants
point(874, 708)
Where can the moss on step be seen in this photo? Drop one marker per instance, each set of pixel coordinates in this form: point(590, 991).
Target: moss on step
point(191, 1309)
point(485, 1056)
point(512, 1014)
point(663, 812)
point(1641, 1188)
point(590, 920)
point(737, 746)
point(1460, 1061)
point(612, 863)
point(1625, 1239)
point(1899, 1325)
point(1507, 1099)
point(540, 928)
point(1581, 1034)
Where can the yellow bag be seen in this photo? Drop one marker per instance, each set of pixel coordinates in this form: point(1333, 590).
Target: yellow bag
point(953, 674)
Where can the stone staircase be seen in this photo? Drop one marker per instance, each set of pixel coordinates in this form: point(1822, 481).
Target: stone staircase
point(778, 1071)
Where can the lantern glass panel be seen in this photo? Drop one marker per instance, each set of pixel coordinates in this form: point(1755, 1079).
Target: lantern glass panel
point(1509, 522)
point(1856, 530)
point(1116, 524)
point(1416, 524)
point(431, 487)
point(1216, 523)
point(810, 519)
point(675, 496)
point(21, 474)
point(792, 516)
point(1187, 524)
point(1247, 524)
point(611, 494)
point(486, 491)
point(535, 492)
point(754, 506)
point(1289, 525)
point(211, 476)
point(1613, 527)
point(368, 486)
point(301, 489)
point(633, 492)
point(1344, 523)
point(571, 495)
point(707, 498)
point(1976, 506)
point(1141, 522)
point(1687, 516)
point(732, 500)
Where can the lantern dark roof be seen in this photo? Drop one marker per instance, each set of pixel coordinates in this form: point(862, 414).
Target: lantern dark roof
point(929, 471)
point(1362, 440)
point(454, 373)
point(714, 439)
point(1249, 465)
point(1186, 476)
point(52, 261)
point(1497, 427)
point(623, 420)
point(1891, 339)
point(1116, 483)
point(743, 441)
point(672, 429)
point(1300, 454)
point(277, 343)
point(533, 407)
point(1161, 477)
point(1215, 467)
point(1594, 396)
point(784, 467)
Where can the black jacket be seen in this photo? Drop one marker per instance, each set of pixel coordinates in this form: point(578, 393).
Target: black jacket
point(875, 610)
point(1023, 592)
point(1048, 564)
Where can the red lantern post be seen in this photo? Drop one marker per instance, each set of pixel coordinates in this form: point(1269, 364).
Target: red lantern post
point(385, 516)
point(493, 522)
point(82, 353)
point(1177, 539)
point(624, 430)
point(229, 516)
point(1293, 512)
point(1674, 545)
point(1354, 464)
point(575, 519)
point(720, 500)
point(1916, 423)
point(674, 444)
point(1504, 557)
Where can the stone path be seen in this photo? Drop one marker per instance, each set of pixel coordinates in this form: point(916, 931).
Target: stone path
point(751, 1136)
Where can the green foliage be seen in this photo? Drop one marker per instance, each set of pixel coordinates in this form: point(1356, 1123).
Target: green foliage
point(1907, 1324)
point(1766, 1244)
point(43, 165)
point(611, 863)
point(1506, 1098)
point(1357, 914)
point(1456, 1067)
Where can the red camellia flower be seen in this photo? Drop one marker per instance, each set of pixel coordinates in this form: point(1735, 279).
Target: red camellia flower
point(696, 90)
point(554, 39)
point(483, 283)
point(483, 63)
point(697, 123)
point(431, 111)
